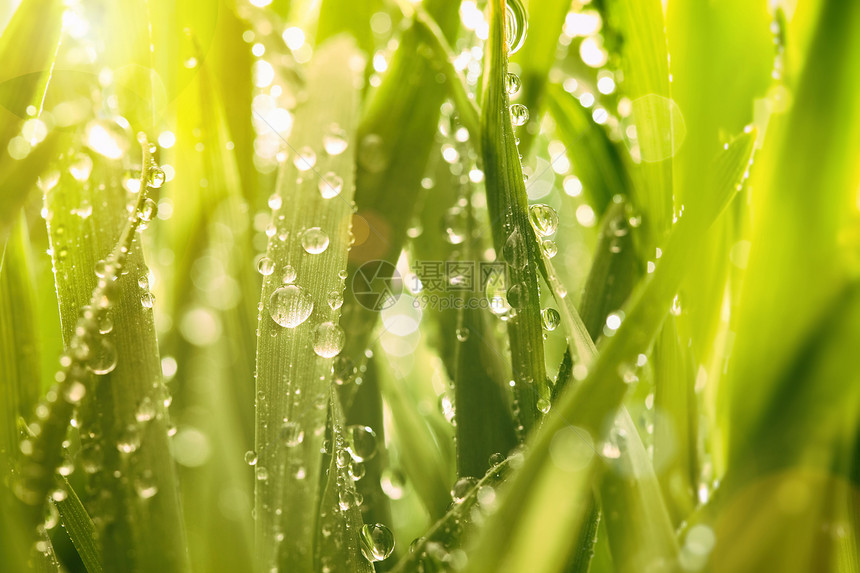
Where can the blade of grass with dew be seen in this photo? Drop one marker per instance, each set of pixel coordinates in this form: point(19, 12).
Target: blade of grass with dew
point(439, 545)
point(636, 514)
point(600, 163)
point(659, 123)
point(395, 139)
point(298, 333)
point(81, 529)
point(545, 21)
point(508, 209)
point(340, 546)
point(112, 368)
point(551, 519)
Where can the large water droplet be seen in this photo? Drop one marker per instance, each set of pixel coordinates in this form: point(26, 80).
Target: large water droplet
point(516, 25)
point(81, 167)
point(519, 114)
point(328, 340)
point(149, 210)
point(314, 240)
point(265, 266)
point(360, 442)
point(104, 357)
point(377, 542)
point(497, 294)
point(334, 140)
point(305, 159)
point(544, 219)
point(550, 319)
point(156, 177)
point(331, 185)
point(290, 306)
point(462, 487)
point(512, 84)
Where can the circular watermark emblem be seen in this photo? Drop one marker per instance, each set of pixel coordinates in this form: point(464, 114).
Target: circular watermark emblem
point(377, 285)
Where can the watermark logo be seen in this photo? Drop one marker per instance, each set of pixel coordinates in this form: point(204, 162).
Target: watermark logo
point(377, 285)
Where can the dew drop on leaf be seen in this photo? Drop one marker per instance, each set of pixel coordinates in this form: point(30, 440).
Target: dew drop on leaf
point(331, 185)
point(512, 84)
point(519, 114)
point(377, 541)
point(516, 25)
point(291, 434)
point(550, 319)
point(156, 177)
point(251, 457)
point(461, 488)
point(360, 442)
point(305, 159)
point(149, 210)
point(544, 219)
point(265, 266)
point(290, 306)
point(334, 140)
point(314, 240)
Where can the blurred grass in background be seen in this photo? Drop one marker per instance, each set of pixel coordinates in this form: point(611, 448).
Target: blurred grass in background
point(206, 365)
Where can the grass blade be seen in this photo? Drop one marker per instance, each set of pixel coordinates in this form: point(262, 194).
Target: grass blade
point(512, 232)
point(298, 334)
point(81, 529)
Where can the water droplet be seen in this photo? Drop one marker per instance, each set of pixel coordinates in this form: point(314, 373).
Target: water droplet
point(156, 177)
point(265, 266)
point(251, 458)
point(334, 140)
point(275, 201)
point(328, 340)
point(393, 483)
point(462, 334)
point(147, 299)
point(331, 185)
point(261, 473)
point(292, 434)
point(360, 442)
point(104, 357)
point(314, 240)
point(377, 542)
point(516, 25)
point(356, 470)
point(129, 439)
point(496, 292)
point(544, 219)
point(544, 405)
point(335, 299)
point(290, 306)
point(550, 249)
point(496, 459)
point(305, 159)
point(371, 153)
point(550, 318)
point(519, 114)
point(146, 486)
point(462, 487)
point(512, 84)
point(446, 406)
point(145, 410)
point(149, 210)
point(81, 167)
point(516, 296)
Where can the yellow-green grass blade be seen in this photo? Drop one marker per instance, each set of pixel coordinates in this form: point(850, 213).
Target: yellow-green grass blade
point(512, 232)
point(108, 330)
point(81, 529)
point(298, 332)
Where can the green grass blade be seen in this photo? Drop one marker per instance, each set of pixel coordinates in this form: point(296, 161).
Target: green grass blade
point(577, 423)
point(512, 232)
point(81, 529)
point(111, 403)
point(339, 545)
point(292, 378)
